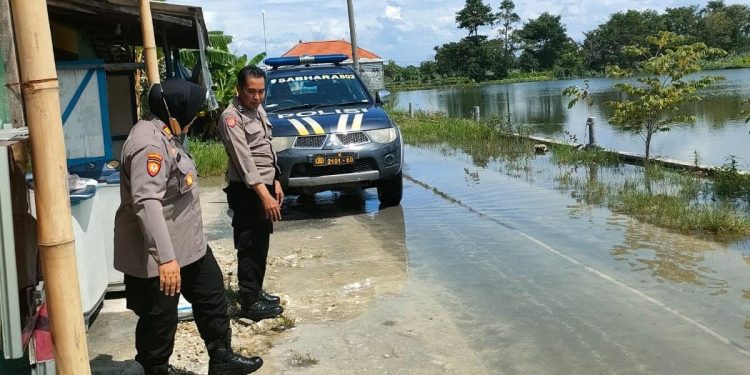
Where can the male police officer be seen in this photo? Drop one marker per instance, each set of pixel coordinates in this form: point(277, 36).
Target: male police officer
point(254, 193)
point(159, 241)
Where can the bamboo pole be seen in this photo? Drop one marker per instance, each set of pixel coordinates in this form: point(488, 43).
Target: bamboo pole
point(149, 43)
point(55, 229)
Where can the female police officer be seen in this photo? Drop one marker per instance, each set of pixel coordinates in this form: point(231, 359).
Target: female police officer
point(159, 241)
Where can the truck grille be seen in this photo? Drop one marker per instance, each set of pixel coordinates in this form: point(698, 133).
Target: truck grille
point(314, 141)
point(308, 170)
point(355, 138)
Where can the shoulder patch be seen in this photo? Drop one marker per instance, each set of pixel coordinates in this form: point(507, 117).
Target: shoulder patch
point(231, 121)
point(153, 164)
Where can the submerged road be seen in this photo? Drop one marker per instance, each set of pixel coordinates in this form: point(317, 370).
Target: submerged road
point(540, 284)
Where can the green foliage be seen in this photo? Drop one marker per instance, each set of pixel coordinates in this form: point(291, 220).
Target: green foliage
point(729, 182)
point(543, 40)
point(653, 105)
point(604, 45)
point(210, 157)
point(474, 57)
point(579, 94)
point(222, 64)
point(474, 15)
point(716, 25)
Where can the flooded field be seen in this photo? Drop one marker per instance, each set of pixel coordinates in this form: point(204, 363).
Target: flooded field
point(719, 130)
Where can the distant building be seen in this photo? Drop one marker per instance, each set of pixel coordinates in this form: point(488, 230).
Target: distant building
point(370, 64)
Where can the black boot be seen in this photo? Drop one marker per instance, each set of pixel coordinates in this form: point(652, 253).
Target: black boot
point(270, 298)
point(159, 370)
point(257, 309)
point(223, 361)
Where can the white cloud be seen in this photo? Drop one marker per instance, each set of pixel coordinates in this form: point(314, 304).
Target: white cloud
point(394, 13)
point(402, 30)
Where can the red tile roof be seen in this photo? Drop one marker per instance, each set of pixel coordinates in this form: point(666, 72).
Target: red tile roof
point(328, 47)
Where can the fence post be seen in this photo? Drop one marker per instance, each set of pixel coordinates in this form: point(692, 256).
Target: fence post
point(590, 126)
point(475, 113)
point(411, 110)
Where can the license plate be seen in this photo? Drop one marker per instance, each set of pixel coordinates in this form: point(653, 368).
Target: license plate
point(334, 159)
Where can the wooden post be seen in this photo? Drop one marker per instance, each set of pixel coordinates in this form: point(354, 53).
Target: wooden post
point(411, 110)
point(149, 44)
point(13, 81)
point(475, 113)
point(55, 228)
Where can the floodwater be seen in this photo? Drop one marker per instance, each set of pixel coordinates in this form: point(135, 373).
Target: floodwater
point(719, 130)
point(542, 283)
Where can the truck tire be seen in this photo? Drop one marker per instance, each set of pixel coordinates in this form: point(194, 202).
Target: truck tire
point(391, 190)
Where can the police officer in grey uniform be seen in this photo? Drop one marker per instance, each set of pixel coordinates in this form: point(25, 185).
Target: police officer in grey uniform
point(254, 192)
point(159, 241)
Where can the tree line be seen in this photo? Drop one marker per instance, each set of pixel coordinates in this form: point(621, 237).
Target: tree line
point(543, 44)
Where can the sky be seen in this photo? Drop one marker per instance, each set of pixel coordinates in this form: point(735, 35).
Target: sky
point(402, 30)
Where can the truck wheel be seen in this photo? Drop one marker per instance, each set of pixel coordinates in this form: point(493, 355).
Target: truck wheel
point(391, 190)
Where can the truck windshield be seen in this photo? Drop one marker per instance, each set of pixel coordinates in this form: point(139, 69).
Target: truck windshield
point(314, 91)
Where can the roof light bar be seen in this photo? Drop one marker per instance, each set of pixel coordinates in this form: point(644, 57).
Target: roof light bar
point(276, 62)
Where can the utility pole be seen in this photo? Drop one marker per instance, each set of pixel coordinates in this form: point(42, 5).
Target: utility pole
point(265, 41)
point(353, 36)
point(41, 92)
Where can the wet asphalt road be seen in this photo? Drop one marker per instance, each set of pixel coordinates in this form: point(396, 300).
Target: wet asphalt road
point(539, 284)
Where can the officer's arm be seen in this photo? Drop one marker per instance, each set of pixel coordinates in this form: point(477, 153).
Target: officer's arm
point(149, 171)
point(235, 142)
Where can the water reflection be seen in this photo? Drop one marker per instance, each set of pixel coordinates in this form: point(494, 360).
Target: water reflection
point(666, 255)
point(718, 131)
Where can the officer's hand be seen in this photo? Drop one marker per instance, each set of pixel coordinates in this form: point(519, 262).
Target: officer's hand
point(272, 208)
point(169, 278)
point(279, 193)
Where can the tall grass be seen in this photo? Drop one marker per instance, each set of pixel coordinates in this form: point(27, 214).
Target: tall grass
point(210, 157)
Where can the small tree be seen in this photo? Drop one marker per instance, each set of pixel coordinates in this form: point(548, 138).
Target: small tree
point(507, 18)
point(653, 105)
point(474, 15)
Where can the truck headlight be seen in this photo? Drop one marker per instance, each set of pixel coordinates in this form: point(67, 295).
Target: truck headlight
point(282, 143)
point(382, 135)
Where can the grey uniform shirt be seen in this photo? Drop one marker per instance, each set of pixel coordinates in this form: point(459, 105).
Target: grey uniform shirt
point(246, 135)
point(159, 218)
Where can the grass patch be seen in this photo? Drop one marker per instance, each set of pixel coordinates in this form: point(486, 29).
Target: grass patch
point(673, 212)
point(210, 157)
point(729, 183)
point(483, 140)
point(564, 155)
point(298, 359)
point(284, 323)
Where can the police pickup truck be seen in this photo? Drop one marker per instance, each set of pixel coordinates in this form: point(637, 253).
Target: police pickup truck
point(329, 133)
